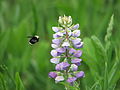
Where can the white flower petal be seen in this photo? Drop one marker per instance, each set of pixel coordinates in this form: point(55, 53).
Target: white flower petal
point(59, 78)
point(55, 60)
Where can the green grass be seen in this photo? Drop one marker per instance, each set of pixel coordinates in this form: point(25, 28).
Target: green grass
point(25, 67)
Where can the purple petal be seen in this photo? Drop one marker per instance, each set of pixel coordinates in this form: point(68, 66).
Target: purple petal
point(71, 79)
point(52, 74)
point(57, 35)
point(55, 60)
point(79, 45)
point(76, 41)
point(80, 74)
point(62, 66)
point(75, 26)
point(74, 67)
point(61, 50)
point(78, 53)
point(56, 29)
point(78, 64)
point(72, 51)
point(76, 33)
point(76, 60)
point(56, 41)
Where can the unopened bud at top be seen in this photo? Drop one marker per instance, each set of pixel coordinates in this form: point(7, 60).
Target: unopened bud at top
point(65, 21)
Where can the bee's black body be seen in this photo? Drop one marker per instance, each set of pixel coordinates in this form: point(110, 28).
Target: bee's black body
point(33, 40)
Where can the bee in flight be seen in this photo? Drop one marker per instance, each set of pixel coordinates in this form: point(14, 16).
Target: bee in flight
point(33, 39)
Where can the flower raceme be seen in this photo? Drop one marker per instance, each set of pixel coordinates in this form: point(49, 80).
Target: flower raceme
point(66, 51)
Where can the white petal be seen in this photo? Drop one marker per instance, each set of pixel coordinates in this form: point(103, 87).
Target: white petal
point(54, 46)
point(55, 60)
point(59, 78)
point(65, 44)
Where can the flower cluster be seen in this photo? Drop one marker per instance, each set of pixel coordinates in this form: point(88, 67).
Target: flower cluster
point(66, 51)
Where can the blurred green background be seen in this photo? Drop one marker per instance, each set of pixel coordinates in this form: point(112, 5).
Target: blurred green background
point(26, 67)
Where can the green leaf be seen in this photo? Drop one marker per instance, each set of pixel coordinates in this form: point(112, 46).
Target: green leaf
point(114, 74)
point(100, 53)
point(98, 46)
point(19, 84)
point(89, 57)
point(2, 82)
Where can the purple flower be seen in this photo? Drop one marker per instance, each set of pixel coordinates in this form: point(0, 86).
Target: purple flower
point(57, 41)
point(76, 41)
point(54, 53)
point(74, 67)
point(79, 45)
point(52, 74)
point(61, 50)
point(65, 54)
point(80, 74)
point(59, 78)
point(78, 53)
point(55, 60)
point(56, 29)
point(75, 27)
point(62, 66)
point(76, 61)
point(72, 51)
point(71, 79)
point(76, 33)
point(57, 35)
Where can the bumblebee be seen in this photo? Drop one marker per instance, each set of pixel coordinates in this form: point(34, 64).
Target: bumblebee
point(33, 39)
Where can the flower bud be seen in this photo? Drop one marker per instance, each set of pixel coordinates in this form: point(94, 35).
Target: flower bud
point(80, 74)
point(52, 74)
point(65, 21)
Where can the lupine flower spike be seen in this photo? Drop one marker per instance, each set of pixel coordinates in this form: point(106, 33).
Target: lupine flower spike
point(66, 51)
